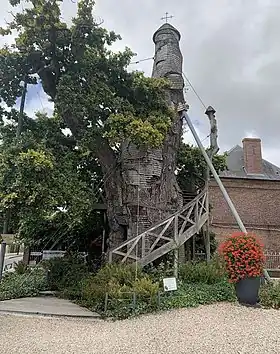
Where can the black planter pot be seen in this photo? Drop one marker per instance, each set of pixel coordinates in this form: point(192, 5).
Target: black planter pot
point(247, 290)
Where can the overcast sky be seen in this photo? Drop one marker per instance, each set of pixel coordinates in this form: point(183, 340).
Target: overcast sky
point(231, 55)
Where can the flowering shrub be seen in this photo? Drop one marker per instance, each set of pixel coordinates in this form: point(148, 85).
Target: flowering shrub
point(243, 256)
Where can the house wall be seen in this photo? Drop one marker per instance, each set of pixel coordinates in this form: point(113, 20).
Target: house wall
point(258, 204)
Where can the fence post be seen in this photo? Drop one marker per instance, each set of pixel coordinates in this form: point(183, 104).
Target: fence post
point(159, 300)
point(106, 303)
point(2, 258)
point(134, 300)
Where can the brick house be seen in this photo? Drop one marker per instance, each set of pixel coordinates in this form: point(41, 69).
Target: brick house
point(254, 187)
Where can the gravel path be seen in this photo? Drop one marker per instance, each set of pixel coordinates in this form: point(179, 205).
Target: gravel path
point(220, 328)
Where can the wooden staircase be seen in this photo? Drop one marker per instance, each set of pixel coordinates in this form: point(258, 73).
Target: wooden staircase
point(165, 236)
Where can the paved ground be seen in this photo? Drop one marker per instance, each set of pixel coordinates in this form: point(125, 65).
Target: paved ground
point(220, 328)
point(45, 306)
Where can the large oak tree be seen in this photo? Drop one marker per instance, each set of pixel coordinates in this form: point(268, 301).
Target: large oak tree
point(105, 106)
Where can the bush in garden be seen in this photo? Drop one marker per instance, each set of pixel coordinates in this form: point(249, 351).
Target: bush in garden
point(193, 295)
point(21, 268)
point(202, 272)
point(66, 272)
point(270, 296)
point(120, 282)
point(29, 284)
point(162, 270)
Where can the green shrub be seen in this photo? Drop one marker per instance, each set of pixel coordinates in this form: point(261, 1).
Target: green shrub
point(270, 296)
point(15, 285)
point(187, 295)
point(192, 295)
point(120, 273)
point(202, 272)
point(128, 296)
point(163, 270)
point(66, 272)
point(21, 268)
point(120, 283)
point(145, 287)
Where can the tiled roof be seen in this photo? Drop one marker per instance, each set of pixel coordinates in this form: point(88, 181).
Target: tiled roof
point(235, 165)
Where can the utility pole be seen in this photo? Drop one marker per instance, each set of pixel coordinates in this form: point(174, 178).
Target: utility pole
point(26, 250)
point(21, 110)
point(18, 133)
point(184, 115)
point(210, 112)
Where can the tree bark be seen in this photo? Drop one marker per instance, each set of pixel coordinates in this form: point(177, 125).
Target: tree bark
point(143, 188)
point(140, 185)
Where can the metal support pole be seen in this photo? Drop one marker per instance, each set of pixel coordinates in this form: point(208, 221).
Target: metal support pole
point(2, 258)
point(216, 176)
point(217, 179)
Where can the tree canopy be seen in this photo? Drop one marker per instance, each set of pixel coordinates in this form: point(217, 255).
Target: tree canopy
point(50, 181)
point(99, 100)
point(45, 174)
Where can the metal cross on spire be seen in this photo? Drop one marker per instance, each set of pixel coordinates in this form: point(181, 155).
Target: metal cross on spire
point(166, 17)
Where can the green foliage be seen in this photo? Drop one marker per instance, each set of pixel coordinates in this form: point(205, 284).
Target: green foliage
point(200, 244)
point(202, 272)
point(29, 284)
point(119, 282)
point(65, 272)
point(94, 96)
point(193, 295)
point(13, 69)
point(163, 270)
point(122, 274)
point(21, 268)
point(130, 295)
point(192, 166)
point(42, 174)
point(127, 294)
point(145, 287)
point(89, 84)
point(270, 296)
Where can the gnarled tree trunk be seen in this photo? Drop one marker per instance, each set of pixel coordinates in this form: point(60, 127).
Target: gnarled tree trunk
point(143, 189)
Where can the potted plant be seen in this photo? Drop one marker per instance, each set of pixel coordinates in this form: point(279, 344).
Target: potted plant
point(244, 261)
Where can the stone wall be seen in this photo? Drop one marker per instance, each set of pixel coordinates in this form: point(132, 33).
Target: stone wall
point(258, 204)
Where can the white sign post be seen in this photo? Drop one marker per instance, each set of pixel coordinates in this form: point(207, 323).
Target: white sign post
point(169, 284)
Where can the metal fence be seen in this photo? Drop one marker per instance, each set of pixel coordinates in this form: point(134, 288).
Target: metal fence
point(272, 260)
point(37, 257)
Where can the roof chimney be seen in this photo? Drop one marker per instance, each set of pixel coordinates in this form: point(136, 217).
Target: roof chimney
point(252, 152)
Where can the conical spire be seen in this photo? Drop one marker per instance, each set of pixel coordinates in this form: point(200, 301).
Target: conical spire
point(168, 30)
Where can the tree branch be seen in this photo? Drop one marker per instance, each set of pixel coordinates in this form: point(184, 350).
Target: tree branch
point(106, 155)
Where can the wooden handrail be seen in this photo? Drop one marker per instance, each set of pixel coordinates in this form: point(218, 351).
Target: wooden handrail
point(135, 240)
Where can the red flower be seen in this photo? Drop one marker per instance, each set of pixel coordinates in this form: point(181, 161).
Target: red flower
point(243, 256)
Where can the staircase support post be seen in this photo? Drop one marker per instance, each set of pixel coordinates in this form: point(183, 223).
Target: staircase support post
point(216, 176)
point(176, 250)
point(207, 229)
